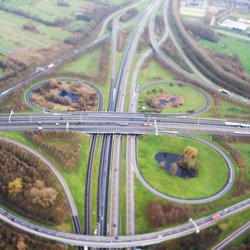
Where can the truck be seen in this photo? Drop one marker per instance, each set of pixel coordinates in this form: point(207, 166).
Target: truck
point(122, 123)
point(216, 216)
point(146, 124)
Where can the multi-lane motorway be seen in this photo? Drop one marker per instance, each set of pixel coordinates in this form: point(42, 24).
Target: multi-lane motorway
point(112, 125)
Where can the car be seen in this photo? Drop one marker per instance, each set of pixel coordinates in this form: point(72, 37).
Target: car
point(57, 123)
point(114, 225)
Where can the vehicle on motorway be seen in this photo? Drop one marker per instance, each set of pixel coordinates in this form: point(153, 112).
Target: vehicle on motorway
point(39, 127)
point(122, 123)
point(57, 123)
point(51, 65)
point(238, 124)
point(216, 216)
point(223, 91)
point(147, 124)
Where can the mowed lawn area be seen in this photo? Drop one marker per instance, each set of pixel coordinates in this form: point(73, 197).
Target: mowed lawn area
point(213, 172)
point(193, 99)
point(233, 46)
point(88, 64)
point(153, 72)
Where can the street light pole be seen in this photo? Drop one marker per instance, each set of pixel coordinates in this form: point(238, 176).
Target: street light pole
point(156, 129)
point(11, 113)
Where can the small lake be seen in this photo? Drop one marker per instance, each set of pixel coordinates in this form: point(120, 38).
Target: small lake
point(171, 158)
point(72, 96)
point(164, 102)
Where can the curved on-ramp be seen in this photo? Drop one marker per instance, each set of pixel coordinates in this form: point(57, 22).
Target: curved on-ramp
point(34, 106)
point(200, 111)
point(214, 197)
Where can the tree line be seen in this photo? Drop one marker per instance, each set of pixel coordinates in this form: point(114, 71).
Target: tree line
point(242, 184)
point(204, 62)
point(67, 159)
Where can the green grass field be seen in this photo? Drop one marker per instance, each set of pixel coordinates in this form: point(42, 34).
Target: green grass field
point(233, 46)
point(154, 72)
point(213, 172)
point(75, 179)
point(227, 108)
point(87, 64)
point(193, 100)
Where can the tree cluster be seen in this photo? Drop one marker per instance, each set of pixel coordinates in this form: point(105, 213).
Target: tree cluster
point(171, 51)
point(159, 25)
point(13, 101)
point(122, 38)
point(28, 187)
point(30, 27)
point(128, 15)
point(205, 63)
point(11, 68)
point(144, 40)
point(12, 239)
point(160, 214)
point(87, 97)
point(63, 3)
point(201, 31)
point(188, 159)
point(242, 184)
point(68, 159)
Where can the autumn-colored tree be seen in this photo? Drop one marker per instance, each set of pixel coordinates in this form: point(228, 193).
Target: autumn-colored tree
point(45, 196)
point(188, 158)
point(21, 244)
point(15, 187)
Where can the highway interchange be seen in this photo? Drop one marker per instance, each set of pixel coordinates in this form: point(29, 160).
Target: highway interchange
point(112, 125)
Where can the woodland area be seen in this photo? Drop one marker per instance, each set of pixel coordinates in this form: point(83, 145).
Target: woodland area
point(13, 101)
point(67, 157)
point(238, 83)
point(242, 184)
point(28, 187)
point(11, 239)
point(160, 214)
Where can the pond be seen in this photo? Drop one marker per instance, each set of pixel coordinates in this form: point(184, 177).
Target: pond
point(72, 96)
point(163, 102)
point(171, 158)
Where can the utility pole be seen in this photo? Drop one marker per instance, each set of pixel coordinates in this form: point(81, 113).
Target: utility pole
point(11, 113)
